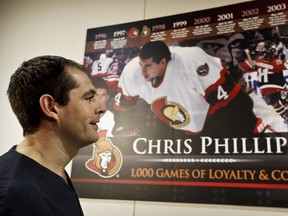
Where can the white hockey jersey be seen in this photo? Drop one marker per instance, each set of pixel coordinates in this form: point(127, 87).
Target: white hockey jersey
point(193, 87)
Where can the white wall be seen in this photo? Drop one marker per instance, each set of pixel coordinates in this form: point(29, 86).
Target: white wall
point(35, 27)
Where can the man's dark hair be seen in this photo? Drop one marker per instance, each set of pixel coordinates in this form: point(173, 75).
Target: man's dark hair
point(155, 49)
point(35, 77)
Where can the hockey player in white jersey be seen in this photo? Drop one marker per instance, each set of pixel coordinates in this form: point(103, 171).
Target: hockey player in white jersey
point(101, 65)
point(189, 90)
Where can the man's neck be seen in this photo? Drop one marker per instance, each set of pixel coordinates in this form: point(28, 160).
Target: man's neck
point(47, 151)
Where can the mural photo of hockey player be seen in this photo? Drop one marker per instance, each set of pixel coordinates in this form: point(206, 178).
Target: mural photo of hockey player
point(189, 90)
point(228, 49)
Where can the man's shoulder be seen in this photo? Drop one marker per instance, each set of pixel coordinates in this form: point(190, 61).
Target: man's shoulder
point(18, 184)
point(133, 63)
point(186, 50)
point(132, 69)
point(7, 162)
point(16, 174)
point(17, 195)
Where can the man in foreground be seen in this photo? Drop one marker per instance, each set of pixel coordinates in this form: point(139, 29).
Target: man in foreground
point(56, 105)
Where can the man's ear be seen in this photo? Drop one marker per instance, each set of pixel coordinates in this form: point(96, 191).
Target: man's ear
point(47, 104)
point(163, 61)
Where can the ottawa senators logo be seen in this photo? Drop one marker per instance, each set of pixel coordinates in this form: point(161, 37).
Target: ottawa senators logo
point(133, 32)
point(203, 70)
point(145, 31)
point(106, 160)
point(171, 112)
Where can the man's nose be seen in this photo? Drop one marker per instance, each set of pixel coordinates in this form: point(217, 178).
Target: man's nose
point(143, 69)
point(100, 106)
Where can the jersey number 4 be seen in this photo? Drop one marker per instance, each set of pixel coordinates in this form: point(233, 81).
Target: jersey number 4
point(221, 93)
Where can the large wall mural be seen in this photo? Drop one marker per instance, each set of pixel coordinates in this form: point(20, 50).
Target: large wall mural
point(197, 108)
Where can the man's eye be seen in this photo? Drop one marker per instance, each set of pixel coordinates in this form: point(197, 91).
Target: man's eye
point(212, 46)
point(90, 98)
point(237, 44)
